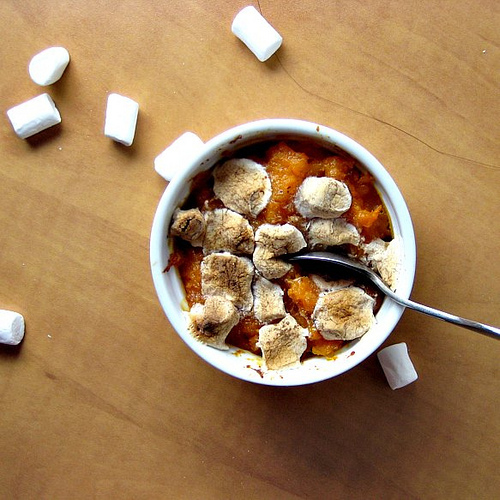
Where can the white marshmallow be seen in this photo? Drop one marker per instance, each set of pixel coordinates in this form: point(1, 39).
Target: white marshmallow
point(256, 33)
point(11, 327)
point(121, 119)
point(46, 67)
point(176, 156)
point(33, 116)
point(397, 365)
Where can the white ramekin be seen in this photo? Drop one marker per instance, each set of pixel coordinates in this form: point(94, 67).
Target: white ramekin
point(245, 365)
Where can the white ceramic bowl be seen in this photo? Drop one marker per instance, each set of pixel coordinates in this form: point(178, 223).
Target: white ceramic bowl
point(170, 292)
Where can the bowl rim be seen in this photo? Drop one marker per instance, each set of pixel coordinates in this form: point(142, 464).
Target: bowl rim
point(229, 142)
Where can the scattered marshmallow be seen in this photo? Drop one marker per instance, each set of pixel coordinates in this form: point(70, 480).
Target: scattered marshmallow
point(256, 33)
point(46, 67)
point(121, 119)
point(397, 365)
point(33, 116)
point(11, 327)
point(172, 160)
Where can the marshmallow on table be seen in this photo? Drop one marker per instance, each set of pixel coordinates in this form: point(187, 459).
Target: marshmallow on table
point(121, 119)
point(33, 116)
point(46, 67)
point(11, 327)
point(171, 161)
point(397, 365)
point(256, 33)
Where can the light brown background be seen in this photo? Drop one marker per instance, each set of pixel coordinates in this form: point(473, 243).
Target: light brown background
point(102, 399)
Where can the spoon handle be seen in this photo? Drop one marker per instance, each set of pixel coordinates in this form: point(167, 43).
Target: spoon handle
point(490, 331)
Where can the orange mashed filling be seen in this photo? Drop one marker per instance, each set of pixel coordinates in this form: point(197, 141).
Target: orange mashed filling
point(287, 164)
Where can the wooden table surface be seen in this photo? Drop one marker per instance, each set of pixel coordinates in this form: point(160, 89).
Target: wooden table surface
point(102, 399)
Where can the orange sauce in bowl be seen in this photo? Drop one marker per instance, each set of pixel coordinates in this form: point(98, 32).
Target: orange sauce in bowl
point(288, 164)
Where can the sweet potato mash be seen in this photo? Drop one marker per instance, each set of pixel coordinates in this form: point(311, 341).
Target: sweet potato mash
point(287, 165)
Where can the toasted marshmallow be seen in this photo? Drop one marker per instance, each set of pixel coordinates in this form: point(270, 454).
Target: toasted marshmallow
point(189, 225)
point(47, 67)
point(227, 231)
point(178, 155)
point(11, 327)
point(256, 33)
point(243, 186)
point(397, 365)
point(121, 119)
point(331, 232)
point(273, 241)
point(33, 116)
point(344, 314)
point(212, 321)
point(283, 343)
point(269, 267)
point(325, 285)
point(268, 302)
point(385, 258)
point(228, 276)
point(322, 197)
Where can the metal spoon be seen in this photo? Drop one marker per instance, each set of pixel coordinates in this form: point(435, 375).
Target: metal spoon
point(339, 260)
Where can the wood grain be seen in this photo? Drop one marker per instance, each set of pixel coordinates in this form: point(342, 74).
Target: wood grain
point(102, 399)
